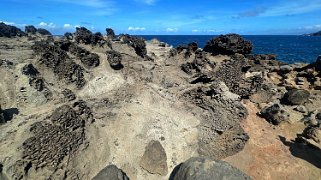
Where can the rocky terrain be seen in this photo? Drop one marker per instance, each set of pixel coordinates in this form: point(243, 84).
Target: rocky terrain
point(94, 106)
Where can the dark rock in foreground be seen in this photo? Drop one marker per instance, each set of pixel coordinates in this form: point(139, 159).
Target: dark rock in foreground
point(318, 64)
point(114, 58)
point(228, 45)
point(154, 159)
point(10, 31)
point(275, 114)
point(296, 96)
point(111, 172)
point(199, 168)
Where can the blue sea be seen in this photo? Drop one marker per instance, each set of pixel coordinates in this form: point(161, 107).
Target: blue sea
point(289, 49)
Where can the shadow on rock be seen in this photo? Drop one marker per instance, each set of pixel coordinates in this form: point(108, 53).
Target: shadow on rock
point(7, 114)
point(305, 151)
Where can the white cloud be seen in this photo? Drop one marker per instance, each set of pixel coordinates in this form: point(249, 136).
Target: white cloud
point(171, 30)
point(317, 26)
point(67, 26)
point(195, 30)
point(8, 23)
point(47, 25)
point(43, 24)
point(136, 28)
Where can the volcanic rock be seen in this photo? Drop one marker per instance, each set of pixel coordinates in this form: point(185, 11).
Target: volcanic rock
point(114, 58)
point(228, 45)
point(52, 141)
point(286, 69)
point(10, 31)
point(154, 159)
point(137, 43)
point(87, 58)
point(44, 32)
point(68, 95)
point(110, 33)
point(296, 96)
point(111, 172)
point(220, 132)
point(83, 35)
point(30, 29)
point(201, 168)
point(2, 117)
point(58, 61)
point(192, 46)
point(199, 65)
point(68, 36)
point(275, 114)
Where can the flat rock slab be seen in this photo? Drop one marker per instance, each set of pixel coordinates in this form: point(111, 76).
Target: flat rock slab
point(154, 159)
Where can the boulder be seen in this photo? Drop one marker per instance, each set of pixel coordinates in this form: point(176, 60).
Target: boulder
point(286, 69)
point(88, 58)
point(201, 168)
point(154, 159)
point(275, 114)
point(318, 64)
point(68, 95)
point(83, 35)
point(44, 32)
point(114, 58)
point(30, 29)
point(199, 65)
point(110, 33)
point(228, 45)
point(296, 96)
point(111, 172)
point(10, 31)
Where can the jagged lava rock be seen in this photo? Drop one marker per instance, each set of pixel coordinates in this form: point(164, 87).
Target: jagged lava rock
point(10, 31)
point(228, 45)
point(83, 35)
point(275, 114)
point(111, 172)
point(30, 29)
point(137, 43)
point(44, 32)
point(318, 64)
point(296, 96)
point(114, 58)
point(201, 168)
point(154, 159)
point(110, 33)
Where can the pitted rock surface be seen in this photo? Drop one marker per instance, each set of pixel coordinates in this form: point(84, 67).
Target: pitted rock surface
point(58, 61)
point(220, 132)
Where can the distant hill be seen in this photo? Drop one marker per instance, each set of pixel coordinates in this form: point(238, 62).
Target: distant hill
point(314, 34)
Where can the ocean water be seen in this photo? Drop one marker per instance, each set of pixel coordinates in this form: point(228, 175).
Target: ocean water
point(289, 49)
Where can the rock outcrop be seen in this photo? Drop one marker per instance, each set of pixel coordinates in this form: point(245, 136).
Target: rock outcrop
point(114, 58)
point(30, 29)
point(228, 44)
point(111, 172)
point(137, 43)
point(87, 58)
point(58, 61)
point(110, 33)
point(205, 169)
point(10, 31)
point(44, 32)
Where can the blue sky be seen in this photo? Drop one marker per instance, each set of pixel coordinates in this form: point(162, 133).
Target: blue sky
point(247, 17)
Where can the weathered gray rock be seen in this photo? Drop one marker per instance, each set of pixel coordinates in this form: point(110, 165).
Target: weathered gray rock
point(199, 168)
point(286, 69)
point(2, 119)
point(296, 96)
point(111, 172)
point(154, 159)
point(275, 114)
point(301, 109)
point(221, 113)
